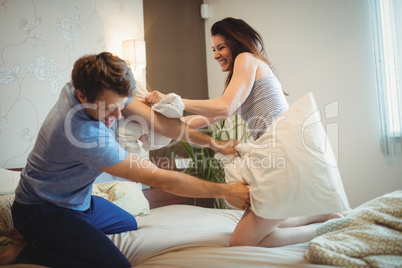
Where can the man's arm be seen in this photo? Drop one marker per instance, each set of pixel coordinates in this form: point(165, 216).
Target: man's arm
point(138, 169)
point(173, 128)
point(199, 121)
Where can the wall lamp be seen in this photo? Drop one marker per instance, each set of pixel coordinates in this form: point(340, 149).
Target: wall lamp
point(134, 53)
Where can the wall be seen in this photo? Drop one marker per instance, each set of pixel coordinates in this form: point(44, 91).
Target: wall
point(176, 60)
point(323, 47)
point(174, 35)
point(40, 41)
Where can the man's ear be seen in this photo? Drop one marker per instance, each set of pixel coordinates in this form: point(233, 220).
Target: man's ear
point(81, 96)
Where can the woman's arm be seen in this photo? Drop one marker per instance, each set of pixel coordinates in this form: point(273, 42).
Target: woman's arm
point(245, 68)
point(173, 128)
point(199, 121)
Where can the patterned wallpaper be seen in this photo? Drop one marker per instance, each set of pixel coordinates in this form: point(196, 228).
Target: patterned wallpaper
point(40, 41)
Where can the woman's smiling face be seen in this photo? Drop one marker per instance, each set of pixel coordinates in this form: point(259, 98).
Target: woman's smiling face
point(222, 52)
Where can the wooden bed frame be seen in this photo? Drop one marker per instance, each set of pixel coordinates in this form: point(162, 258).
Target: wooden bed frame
point(159, 198)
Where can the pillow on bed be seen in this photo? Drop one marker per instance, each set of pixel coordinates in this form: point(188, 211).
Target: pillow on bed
point(125, 194)
point(8, 180)
point(8, 183)
point(6, 220)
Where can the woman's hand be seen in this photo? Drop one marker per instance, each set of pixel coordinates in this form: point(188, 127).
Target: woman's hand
point(143, 138)
point(154, 97)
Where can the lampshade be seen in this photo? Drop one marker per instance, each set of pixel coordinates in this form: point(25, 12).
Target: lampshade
point(134, 53)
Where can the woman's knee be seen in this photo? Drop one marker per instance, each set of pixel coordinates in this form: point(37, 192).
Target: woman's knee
point(238, 241)
point(252, 230)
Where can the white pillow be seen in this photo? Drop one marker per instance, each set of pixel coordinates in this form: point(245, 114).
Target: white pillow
point(129, 133)
point(6, 219)
point(8, 181)
point(291, 168)
point(125, 194)
point(170, 106)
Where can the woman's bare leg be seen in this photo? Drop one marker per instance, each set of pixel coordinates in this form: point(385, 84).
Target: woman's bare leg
point(251, 229)
point(300, 221)
point(256, 231)
point(297, 230)
point(289, 236)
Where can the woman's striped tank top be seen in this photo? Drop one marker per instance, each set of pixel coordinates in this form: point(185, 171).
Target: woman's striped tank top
point(265, 102)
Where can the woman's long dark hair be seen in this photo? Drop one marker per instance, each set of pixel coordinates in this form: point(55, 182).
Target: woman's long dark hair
point(240, 37)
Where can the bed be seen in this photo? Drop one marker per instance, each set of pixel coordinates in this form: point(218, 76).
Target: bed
point(175, 233)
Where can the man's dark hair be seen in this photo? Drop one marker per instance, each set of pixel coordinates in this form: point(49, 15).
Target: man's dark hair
point(94, 73)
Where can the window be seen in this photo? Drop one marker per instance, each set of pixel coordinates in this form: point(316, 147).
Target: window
point(386, 22)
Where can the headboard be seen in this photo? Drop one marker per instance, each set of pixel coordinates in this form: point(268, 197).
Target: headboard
point(159, 198)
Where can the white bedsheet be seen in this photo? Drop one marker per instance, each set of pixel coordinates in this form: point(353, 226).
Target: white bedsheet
point(188, 236)
point(192, 237)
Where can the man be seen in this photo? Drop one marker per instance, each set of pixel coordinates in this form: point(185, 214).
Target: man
point(53, 207)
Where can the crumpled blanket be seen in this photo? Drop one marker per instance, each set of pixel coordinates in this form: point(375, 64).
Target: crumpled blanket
point(291, 169)
point(369, 236)
point(133, 136)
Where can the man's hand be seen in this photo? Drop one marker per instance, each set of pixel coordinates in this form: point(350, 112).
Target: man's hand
point(225, 147)
point(154, 97)
point(238, 195)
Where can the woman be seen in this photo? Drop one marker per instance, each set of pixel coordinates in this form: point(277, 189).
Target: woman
point(253, 91)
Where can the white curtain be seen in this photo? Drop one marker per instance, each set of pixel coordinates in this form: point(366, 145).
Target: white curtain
point(386, 22)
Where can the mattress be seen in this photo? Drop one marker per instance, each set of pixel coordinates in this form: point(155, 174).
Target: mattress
point(189, 236)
